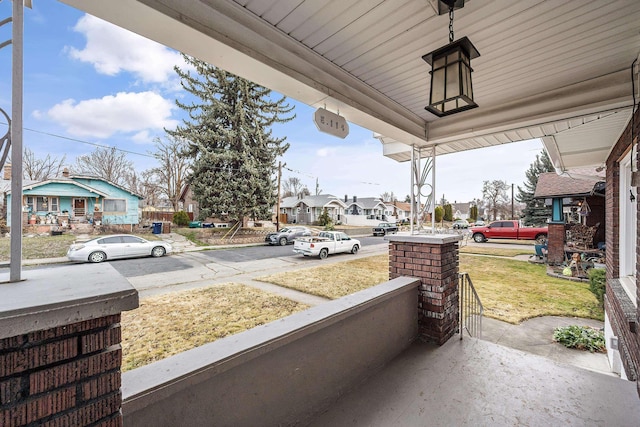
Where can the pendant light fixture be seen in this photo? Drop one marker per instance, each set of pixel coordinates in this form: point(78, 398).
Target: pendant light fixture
point(451, 86)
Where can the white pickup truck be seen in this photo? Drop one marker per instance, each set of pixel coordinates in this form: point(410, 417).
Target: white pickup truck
point(327, 242)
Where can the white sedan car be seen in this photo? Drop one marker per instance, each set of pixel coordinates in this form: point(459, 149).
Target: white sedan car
point(116, 246)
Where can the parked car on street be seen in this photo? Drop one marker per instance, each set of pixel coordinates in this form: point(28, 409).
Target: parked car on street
point(460, 224)
point(327, 242)
point(105, 248)
point(287, 235)
point(509, 230)
point(384, 228)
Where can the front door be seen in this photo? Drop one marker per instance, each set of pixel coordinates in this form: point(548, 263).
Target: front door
point(79, 207)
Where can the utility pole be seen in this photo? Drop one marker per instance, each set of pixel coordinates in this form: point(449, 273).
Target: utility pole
point(512, 215)
point(278, 202)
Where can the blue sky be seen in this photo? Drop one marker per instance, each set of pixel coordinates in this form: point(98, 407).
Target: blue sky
point(88, 82)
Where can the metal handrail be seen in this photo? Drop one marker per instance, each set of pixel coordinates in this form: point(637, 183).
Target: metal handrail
point(471, 308)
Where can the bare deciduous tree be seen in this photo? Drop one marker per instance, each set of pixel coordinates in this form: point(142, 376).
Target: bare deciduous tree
point(494, 194)
point(388, 197)
point(171, 176)
point(292, 186)
point(105, 162)
point(145, 185)
point(40, 169)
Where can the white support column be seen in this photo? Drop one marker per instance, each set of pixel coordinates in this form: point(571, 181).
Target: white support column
point(15, 266)
point(420, 187)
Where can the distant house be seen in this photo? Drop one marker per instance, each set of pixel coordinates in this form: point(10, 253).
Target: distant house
point(307, 209)
point(187, 203)
point(371, 207)
point(401, 210)
point(77, 199)
point(460, 210)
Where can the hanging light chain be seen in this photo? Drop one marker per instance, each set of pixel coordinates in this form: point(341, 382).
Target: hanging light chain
point(451, 23)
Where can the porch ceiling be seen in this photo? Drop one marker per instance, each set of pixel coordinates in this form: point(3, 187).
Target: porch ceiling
point(548, 68)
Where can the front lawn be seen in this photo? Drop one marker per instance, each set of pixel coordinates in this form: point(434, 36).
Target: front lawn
point(510, 290)
point(171, 323)
point(37, 247)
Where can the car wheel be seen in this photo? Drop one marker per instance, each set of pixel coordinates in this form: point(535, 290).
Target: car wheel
point(354, 249)
point(97, 256)
point(283, 241)
point(158, 251)
point(479, 238)
point(324, 253)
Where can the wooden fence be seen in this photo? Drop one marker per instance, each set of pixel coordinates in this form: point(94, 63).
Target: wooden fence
point(161, 216)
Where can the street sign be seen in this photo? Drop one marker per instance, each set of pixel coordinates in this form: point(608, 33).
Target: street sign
point(331, 123)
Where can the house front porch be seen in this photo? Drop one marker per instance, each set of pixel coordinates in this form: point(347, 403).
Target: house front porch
point(479, 383)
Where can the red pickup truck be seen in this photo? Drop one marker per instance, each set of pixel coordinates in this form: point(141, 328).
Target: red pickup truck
point(509, 230)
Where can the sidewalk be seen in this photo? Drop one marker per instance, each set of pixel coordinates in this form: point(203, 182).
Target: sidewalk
point(535, 336)
point(178, 242)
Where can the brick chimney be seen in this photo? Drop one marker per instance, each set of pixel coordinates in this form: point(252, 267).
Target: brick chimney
point(7, 171)
point(65, 173)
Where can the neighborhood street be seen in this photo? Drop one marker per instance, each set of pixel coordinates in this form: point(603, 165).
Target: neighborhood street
point(190, 268)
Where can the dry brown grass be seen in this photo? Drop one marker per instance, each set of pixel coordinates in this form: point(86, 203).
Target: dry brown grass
point(169, 324)
point(510, 290)
point(37, 247)
point(335, 280)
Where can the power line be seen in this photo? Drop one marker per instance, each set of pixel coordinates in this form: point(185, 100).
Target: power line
point(85, 142)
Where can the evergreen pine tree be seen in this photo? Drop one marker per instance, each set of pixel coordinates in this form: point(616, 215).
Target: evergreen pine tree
point(535, 212)
point(230, 140)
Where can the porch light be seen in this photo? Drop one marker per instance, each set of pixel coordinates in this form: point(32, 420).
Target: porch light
point(451, 86)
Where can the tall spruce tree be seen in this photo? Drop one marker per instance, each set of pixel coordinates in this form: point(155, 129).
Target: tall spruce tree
point(231, 142)
point(535, 212)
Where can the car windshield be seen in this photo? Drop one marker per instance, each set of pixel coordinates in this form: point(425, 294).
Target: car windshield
point(285, 230)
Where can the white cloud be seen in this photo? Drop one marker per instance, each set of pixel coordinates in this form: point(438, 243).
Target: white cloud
point(326, 152)
point(112, 49)
point(122, 113)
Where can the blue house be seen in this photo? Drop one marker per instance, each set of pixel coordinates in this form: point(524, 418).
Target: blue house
point(78, 199)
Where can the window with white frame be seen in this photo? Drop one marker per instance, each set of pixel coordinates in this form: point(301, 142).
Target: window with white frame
point(42, 204)
point(114, 205)
point(628, 229)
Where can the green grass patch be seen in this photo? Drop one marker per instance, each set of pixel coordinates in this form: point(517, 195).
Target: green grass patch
point(495, 251)
point(510, 290)
point(514, 291)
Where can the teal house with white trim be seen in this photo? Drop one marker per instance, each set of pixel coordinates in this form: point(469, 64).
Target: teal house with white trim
point(78, 199)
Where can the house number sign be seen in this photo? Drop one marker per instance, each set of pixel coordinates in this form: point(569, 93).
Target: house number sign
point(331, 123)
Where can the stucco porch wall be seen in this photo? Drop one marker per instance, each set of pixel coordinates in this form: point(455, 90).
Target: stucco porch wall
point(281, 373)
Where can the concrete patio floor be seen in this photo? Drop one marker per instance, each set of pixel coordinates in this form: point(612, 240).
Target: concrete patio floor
point(479, 383)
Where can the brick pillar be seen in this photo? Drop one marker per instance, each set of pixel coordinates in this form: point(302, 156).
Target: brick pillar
point(434, 260)
point(555, 243)
point(60, 352)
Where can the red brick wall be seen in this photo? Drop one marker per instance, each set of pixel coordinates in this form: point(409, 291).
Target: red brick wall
point(436, 265)
point(65, 376)
point(555, 243)
point(629, 337)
